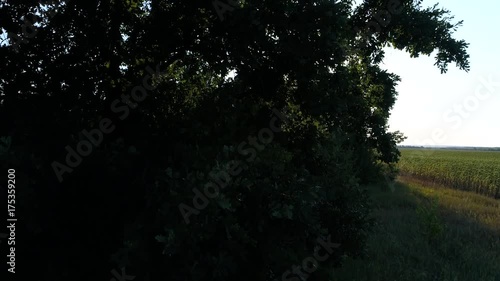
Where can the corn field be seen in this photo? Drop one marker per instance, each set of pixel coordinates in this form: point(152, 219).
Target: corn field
point(477, 171)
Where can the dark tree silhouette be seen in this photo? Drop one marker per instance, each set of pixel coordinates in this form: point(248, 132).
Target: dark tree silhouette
point(116, 115)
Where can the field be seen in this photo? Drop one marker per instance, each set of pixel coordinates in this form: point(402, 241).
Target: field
point(432, 225)
point(477, 171)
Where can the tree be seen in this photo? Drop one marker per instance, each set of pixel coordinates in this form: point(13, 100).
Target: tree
point(145, 87)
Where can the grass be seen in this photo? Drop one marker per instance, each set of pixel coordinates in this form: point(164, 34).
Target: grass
point(429, 232)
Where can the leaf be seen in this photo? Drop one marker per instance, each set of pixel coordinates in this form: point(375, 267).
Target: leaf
point(161, 238)
point(223, 202)
point(132, 149)
point(5, 143)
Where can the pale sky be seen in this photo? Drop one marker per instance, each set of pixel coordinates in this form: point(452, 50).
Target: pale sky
point(456, 108)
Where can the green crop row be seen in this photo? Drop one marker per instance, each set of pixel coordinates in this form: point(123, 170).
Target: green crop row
point(477, 171)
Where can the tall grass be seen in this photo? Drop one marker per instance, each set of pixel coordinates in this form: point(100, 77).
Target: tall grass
point(429, 233)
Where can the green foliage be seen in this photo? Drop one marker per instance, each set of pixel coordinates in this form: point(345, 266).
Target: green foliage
point(429, 218)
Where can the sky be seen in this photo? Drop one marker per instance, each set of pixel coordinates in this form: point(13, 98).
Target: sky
point(457, 108)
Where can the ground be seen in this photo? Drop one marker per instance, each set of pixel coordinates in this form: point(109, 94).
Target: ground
point(429, 232)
